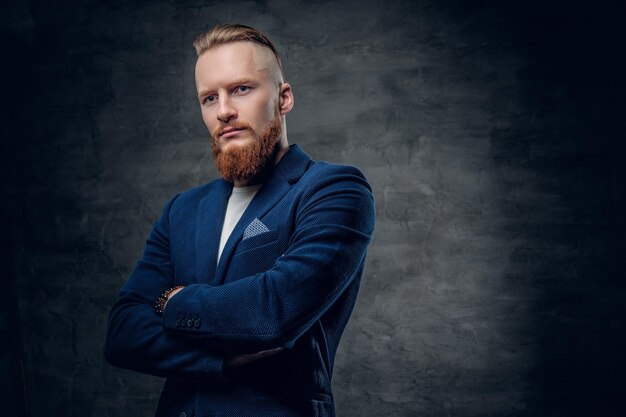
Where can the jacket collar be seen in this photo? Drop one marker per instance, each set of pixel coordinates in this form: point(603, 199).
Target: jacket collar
point(294, 164)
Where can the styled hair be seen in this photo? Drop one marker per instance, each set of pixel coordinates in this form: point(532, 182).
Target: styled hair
point(227, 33)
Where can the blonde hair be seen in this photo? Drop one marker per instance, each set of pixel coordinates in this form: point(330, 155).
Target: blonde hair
point(228, 33)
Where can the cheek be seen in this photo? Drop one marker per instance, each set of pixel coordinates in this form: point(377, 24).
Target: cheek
point(263, 107)
point(269, 109)
point(206, 119)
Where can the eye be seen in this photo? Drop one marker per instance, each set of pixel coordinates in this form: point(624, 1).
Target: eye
point(242, 89)
point(209, 99)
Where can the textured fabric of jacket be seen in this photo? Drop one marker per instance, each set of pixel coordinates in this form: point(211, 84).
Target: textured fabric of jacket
point(288, 277)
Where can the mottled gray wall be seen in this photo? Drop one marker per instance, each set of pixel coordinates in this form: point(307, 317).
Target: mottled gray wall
point(492, 136)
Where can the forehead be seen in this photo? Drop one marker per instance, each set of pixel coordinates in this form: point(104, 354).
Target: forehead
point(233, 61)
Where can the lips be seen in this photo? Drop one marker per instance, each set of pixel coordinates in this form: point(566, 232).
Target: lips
point(230, 132)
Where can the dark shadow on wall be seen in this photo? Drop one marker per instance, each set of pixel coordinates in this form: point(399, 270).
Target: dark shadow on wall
point(17, 90)
point(569, 205)
point(45, 98)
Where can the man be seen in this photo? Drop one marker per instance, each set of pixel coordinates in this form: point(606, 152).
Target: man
point(246, 284)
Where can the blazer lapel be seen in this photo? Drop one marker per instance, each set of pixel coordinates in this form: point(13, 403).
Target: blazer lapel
point(267, 197)
point(210, 219)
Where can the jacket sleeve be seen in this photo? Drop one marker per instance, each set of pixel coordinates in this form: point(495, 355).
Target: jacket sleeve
point(334, 224)
point(136, 338)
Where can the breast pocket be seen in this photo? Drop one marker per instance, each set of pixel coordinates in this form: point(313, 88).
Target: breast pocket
point(254, 255)
point(257, 241)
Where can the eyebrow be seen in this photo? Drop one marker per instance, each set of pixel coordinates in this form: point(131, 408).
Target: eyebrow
point(239, 81)
point(203, 93)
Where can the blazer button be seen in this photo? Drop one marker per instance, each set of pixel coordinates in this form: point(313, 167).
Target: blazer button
point(183, 414)
point(196, 323)
point(189, 322)
point(178, 323)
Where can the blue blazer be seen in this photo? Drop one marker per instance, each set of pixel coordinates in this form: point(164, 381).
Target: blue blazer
point(288, 277)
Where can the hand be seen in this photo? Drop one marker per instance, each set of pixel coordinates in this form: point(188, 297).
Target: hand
point(244, 359)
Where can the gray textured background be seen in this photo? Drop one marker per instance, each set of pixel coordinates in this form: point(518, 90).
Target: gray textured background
point(492, 135)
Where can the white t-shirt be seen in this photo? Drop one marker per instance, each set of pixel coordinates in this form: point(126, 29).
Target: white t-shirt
point(238, 201)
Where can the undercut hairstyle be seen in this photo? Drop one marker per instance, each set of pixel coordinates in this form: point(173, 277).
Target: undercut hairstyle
point(228, 33)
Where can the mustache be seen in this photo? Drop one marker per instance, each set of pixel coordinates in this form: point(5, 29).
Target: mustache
point(235, 124)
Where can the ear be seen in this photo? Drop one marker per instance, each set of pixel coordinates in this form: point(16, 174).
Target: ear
point(285, 98)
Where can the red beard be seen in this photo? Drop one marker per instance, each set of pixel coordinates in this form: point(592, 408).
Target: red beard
point(241, 163)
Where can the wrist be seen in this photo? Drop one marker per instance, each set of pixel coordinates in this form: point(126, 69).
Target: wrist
point(161, 302)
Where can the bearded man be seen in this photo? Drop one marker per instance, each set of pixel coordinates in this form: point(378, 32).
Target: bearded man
point(247, 283)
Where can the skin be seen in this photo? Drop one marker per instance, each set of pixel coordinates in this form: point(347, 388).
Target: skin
point(241, 83)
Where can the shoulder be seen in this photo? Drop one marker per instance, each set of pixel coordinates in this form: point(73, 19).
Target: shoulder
point(301, 171)
point(335, 194)
point(324, 174)
point(327, 187)
point(191, 198)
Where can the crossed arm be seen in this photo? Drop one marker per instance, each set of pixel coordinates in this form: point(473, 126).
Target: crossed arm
point(235, 361)
point(251, 317)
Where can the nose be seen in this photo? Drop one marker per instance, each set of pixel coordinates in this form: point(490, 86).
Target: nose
point(225, 111)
